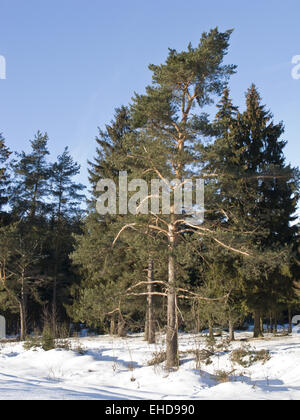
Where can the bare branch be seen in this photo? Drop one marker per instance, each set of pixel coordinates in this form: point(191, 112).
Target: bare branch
point(129, 225)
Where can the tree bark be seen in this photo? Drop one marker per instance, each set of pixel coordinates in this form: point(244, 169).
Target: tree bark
point(121, 327)
point(146, 334)
point(275, 324)
point(172, 333)
point(22, 303)
point(261, 325)
point(257, 326)
point(54, 308)
point(271, 324)
point(112, 326)
point(231, 329)
point(210, 329)
point(150, 315)
point(290, 320)
point(23, 327)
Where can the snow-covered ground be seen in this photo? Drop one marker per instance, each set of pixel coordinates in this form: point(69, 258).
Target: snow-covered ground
point(114, 368)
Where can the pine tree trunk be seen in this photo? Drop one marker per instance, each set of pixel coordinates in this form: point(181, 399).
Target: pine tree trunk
point(275, 324)
point(146, 335)
point(210, 329)
point(261, 325)
point(150, 317)
point(172, 333)
point(197, 324)
point(271, 324)
point(197, 320)
point(257, 325)
point(54, 314)
point(290, 320)
point(121, 327)
point(23, 327)
point(231, 329)
point(112, 326)
point(22, 305)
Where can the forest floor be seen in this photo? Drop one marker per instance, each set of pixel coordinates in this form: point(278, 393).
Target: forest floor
point(102, 367)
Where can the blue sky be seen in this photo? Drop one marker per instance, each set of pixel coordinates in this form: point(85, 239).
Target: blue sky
point(71, 62)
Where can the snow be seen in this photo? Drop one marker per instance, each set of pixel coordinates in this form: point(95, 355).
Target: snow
point(116, 368)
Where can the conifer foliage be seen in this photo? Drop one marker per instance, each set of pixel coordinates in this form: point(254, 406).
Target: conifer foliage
point(157, 270)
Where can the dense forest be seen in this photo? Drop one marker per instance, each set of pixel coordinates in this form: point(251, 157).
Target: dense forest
point(64, 266)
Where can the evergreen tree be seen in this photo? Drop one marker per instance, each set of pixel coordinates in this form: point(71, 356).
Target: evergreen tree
point(257, 194)
point(66, 194)
point(168, 132)
point(20, 272)
point(101, 281)
point(4, 176)
point(65, 220)
point(117, 265)
point(31, 180)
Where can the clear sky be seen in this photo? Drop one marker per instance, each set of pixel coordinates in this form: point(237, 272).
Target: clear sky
point(71, 62)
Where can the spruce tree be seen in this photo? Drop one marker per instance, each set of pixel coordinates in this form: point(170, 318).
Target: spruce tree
point(20, 272)
point(256, 194)
point(31, 180)
point(66, 215)
point(105, 269)
point(4, 176)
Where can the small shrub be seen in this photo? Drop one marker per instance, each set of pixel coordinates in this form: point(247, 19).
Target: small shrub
point(32, 342)
point(80, 349)
point(242, 356)
point(63, 331)
point(262, 356)
point(210, 342)
point(48, 340)
point(223, 376)
point(223, 346)
point(63, 344)
point(245, 356)
point(158, 358)
point(203, 356)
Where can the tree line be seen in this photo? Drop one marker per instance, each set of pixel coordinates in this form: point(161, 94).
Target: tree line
point(156, 271)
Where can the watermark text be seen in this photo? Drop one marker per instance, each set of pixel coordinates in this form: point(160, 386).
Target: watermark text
point(159, 196)
point(296, 68)
point(2, 68)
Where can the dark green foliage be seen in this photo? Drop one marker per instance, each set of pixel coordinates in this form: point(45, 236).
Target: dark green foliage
point(255, 192)
point(48, 339)
point(66, 194)
point(4, 175)
point(46, 211)
point(246, 356)
point(100, 270)
point(31, 180)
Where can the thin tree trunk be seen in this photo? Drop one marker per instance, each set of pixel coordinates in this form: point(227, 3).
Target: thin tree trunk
point(172, 332)
point(23, 327)
point(112, 326)
point(150, 315)
point(146, 335)
point(210, 329)
point(290, 320)
point(54, 310)
point(275, 324)
point(197, 319)
point(257, 326)
point(231, 329)
point(121, 326)
point(261, 325)
point(271, 324)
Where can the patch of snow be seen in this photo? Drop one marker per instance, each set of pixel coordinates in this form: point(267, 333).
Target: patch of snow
point(116, 368)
